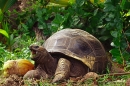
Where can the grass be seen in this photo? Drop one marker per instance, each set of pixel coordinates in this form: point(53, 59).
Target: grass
point(111, 81)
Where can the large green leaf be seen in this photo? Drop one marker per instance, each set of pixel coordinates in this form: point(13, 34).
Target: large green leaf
point(115, 52)
point(6, 4)
point(3, 32)
point(114, 34)
point(125, 4)
point(116, 55)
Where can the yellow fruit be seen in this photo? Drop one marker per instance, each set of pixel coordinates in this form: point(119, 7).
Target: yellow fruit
point(19, 67)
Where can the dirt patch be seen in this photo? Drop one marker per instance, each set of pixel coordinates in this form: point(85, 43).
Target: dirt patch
point(15, 80)
point(12, 80)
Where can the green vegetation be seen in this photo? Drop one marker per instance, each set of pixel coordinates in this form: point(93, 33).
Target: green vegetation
point(104, 81)
point(108, 21)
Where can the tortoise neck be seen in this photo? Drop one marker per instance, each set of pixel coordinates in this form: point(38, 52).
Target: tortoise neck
point(49, 64)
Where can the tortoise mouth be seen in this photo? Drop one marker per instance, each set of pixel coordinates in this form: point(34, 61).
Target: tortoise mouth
point(34, 51)
point(33, 54)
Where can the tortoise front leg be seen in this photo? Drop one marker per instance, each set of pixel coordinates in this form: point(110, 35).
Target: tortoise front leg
point(38, 73)
point(63, 70)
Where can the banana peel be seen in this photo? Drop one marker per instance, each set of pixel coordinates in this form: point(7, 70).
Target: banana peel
point(19, 67)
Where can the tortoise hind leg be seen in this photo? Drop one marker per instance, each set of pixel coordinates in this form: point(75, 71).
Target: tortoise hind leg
point(63, 70)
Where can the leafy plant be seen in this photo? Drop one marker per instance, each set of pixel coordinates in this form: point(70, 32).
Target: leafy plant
point(118, 26)
point(4, 28)
point(9, 37)
point(1, 30)
point(20, 50)
point(6, 4)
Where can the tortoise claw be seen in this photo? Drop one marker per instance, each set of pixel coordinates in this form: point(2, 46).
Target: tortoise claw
point(57, 78)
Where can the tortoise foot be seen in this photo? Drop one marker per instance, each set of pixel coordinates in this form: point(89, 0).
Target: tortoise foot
point(35, 74)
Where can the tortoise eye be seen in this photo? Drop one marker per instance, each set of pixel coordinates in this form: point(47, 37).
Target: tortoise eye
point(36, 46)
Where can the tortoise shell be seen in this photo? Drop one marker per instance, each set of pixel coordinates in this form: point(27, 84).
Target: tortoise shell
point(80, 45)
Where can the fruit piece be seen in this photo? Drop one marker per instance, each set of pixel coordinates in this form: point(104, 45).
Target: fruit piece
point(19, 67)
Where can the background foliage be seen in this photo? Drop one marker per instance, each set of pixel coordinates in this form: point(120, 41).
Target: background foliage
point(107, 20)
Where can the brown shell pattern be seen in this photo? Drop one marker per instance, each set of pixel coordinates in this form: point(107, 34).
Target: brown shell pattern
point(80, 45)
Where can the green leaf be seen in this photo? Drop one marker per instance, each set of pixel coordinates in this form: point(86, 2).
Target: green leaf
point(96, 11)
point(127, 32)
point(126, 55)
point(124, 44)
point(115, 52)
point(39, 13)
point(80, 2)
point(104, 38)
point(1, 15)
point(96, 1)
point(6, 4)
point(123, 3)
point(116, 55)
point(58, 19)
point(119, 26)
point(75, 20)
point(111, 15)
point(3, 32)
point(1, 64)
point(25, 26)
point(114, 34)
point(116, 42)
point(109, 7)
point(128, 13)
point(12, 39)
point(71, 1)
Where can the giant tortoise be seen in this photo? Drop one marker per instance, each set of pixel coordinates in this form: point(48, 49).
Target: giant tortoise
point(68, 53)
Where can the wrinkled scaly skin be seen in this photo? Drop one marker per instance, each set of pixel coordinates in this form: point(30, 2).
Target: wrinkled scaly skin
point(61, 67)
point(42, 59)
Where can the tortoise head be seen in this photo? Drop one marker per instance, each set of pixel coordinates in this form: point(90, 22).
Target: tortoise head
point(38, 52)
